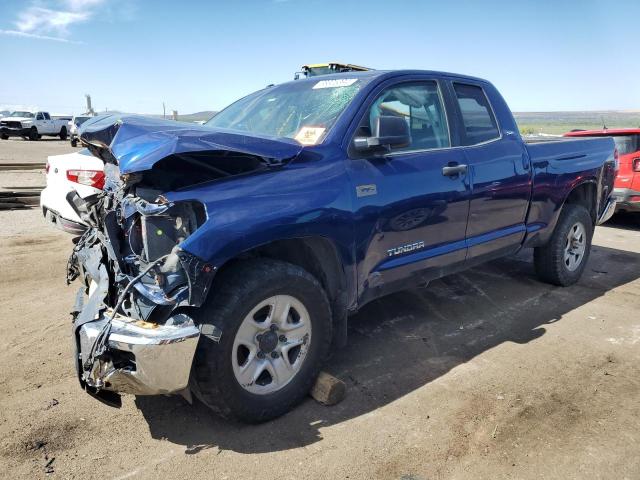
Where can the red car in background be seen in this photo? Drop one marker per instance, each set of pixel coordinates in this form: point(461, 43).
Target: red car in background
point(627, 186)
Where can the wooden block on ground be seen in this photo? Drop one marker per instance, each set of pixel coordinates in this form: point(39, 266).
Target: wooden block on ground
point(328, 389)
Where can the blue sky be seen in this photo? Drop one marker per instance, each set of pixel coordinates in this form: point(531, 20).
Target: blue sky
point(132, 55)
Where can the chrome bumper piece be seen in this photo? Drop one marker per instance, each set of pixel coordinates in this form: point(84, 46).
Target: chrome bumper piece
point(142, 358)
point(609, 210)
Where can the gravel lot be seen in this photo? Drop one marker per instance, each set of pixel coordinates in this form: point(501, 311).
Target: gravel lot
point(485, 374)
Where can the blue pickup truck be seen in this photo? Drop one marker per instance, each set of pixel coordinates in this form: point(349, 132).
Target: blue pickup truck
point(224, 260)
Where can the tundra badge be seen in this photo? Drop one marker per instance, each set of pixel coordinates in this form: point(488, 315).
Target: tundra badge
point(410, 247)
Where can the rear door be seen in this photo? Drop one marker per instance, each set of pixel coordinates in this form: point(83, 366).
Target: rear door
point(411, 212)
point(499, 173)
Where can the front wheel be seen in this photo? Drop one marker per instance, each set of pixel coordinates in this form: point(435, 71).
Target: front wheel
point(74, 142)
point(276, 332)
point(33, 134)
point(562, 261)
point(63, 133)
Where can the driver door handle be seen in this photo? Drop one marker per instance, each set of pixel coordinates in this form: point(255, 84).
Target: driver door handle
point(453, 170)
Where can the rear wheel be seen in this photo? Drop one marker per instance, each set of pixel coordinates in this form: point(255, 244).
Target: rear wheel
point(74, 142)
point(4, 137)
point(563, 259)
point(33, 134)
point(276, 332)
point(63, 133)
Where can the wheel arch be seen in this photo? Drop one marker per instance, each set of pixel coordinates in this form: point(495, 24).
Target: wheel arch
point(319, 256)
point(583, 192)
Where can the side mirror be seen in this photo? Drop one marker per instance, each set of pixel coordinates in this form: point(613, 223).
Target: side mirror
point(388, 132)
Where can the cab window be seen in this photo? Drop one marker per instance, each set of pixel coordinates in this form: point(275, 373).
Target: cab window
point(477, 117)
point(420, 104)
point(39, 116)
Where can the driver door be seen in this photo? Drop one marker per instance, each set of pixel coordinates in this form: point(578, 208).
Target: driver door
point(411, 203)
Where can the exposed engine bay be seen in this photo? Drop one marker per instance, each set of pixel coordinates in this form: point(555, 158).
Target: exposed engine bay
point(138, 233)
point(135, 275)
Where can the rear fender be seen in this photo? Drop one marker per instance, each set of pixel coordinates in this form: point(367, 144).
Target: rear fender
point(537, 234)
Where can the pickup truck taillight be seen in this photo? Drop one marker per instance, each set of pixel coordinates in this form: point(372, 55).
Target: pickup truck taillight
point(616, 159)
point(636, 164)
point(46, 168)
point(92, 178)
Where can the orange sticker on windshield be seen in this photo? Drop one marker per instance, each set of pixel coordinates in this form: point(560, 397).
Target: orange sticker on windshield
point(309, 135)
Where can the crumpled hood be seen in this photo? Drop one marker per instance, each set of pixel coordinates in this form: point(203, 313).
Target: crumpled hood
point(136, 143)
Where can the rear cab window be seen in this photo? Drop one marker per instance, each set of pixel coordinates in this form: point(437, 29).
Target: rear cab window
point(478, 120)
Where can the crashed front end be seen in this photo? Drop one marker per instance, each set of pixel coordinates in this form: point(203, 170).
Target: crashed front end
point(133, 328)
point(131, 332)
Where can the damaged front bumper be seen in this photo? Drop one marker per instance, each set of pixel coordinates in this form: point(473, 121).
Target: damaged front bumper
point(141, 358)
point(119, 353)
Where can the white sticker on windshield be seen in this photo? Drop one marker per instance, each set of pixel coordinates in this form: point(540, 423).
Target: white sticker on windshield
point(309, 135)
point(339, 82)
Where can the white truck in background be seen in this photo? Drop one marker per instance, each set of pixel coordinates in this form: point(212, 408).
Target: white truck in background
point(32, 125)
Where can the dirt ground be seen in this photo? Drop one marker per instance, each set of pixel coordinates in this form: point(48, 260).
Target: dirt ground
point(485, 374)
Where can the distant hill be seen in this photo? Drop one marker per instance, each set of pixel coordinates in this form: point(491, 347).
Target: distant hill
point(562, 122)
point(196, 117)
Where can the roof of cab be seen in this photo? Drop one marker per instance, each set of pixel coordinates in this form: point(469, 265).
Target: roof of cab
point(389, 74)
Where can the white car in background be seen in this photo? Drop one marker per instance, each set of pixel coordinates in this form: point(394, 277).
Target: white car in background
point(74, 124)
point(78, 171)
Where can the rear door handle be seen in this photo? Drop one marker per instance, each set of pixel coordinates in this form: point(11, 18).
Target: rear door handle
point(453, 170)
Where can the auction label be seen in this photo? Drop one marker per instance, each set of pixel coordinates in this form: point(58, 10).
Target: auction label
point(339, 82)
point(309, 135)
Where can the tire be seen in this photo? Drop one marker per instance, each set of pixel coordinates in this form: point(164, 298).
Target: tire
point(239, 292)
point(74, 143)
point(33, 134)
point(63, 133)
point(4, 137)
point(552, 262)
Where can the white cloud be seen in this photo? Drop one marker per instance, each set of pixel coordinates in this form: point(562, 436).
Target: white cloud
point(46, 21)
point(16, 33)
point(76, 5)
point(51, 20)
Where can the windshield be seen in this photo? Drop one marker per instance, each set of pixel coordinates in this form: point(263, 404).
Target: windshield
point(22, 114)
point(627, 143)
point(80, 120)
point(304, 111)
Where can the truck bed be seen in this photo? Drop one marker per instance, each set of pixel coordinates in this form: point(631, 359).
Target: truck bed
point(557, 165)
